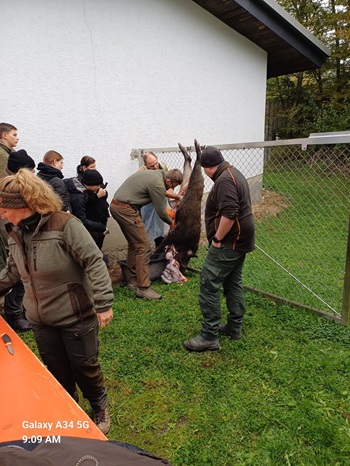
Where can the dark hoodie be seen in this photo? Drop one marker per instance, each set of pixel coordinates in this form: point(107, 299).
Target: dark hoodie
point(54, 177)
point(79, 200)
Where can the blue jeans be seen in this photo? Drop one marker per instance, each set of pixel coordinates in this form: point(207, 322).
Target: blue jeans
point(154, 225)
point(221, 267)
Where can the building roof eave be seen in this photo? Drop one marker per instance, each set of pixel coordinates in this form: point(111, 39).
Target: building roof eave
point(290, 47)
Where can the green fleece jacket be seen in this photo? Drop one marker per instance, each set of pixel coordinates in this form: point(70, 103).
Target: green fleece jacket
point(145, 187)
point(63, 273)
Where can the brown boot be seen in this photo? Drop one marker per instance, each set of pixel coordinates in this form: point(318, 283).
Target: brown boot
point(103, 420)
point(132, 285)
point(147, 293)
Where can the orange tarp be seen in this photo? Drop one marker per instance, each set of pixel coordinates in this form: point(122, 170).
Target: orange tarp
point(33, 405)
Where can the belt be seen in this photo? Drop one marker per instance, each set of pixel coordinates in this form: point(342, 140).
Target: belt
point(123, 204)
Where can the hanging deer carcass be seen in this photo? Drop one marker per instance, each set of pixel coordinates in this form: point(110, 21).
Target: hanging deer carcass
point(185, 235)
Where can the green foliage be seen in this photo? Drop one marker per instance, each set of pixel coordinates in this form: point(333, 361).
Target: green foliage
point(318, 100)
point(332, 116)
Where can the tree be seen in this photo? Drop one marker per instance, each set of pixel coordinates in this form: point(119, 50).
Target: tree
point(318, 100)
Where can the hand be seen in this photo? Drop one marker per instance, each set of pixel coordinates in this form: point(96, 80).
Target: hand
point(215, 242)
point(101, 193)
point(104, 318)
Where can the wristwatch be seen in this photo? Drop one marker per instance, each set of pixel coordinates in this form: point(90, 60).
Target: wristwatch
point(215, 240)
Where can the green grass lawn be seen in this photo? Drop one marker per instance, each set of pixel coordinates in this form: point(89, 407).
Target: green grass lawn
point(279, 396)
point(308, 238)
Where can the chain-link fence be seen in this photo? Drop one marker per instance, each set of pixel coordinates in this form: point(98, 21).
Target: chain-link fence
point(301, 199)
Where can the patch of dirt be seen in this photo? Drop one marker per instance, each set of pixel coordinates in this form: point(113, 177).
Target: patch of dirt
point(270, 205)
point(115, 272)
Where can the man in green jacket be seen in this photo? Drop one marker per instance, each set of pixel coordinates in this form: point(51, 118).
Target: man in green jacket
point(8, 141)
point(140, 189)
point(154, 226)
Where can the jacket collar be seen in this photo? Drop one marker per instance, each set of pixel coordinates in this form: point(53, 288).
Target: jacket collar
point(221, 168)
point(78, 185)
point(7, 149)
point(34, 222)
point(49, 170)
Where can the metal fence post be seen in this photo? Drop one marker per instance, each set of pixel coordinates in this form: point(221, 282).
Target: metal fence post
point(346, 292)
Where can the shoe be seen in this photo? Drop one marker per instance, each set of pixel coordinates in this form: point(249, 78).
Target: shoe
point(132, 286)
point(106, 260)
point(234, 334)
point(147, 293)
point(199, 343)
point(103, 420)
point(20, 324)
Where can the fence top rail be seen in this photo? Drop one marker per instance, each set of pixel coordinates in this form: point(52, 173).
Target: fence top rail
point(341, 137)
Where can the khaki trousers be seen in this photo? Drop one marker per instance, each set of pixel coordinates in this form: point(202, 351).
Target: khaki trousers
point(139, 246)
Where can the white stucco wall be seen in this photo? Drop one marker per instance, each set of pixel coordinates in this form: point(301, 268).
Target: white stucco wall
point(99, 78)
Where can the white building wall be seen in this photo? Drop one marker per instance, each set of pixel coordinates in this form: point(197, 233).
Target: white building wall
point(101, 77)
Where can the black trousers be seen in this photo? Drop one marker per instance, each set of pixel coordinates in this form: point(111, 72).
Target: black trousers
point(71, 355)
point(99, 238)
point(13, 302)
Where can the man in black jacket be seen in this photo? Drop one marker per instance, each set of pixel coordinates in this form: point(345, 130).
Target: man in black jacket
point(230, 231)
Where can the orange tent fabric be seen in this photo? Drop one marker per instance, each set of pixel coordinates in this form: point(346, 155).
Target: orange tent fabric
point(33, 404)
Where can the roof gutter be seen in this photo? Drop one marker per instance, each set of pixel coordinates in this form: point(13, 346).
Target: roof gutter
point(287, 28)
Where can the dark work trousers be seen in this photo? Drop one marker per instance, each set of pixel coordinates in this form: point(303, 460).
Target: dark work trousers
point(139, 246)
point(221, 267)
point(13, 302)
point(71, 355)
point(13, 306)
point(98, 237)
